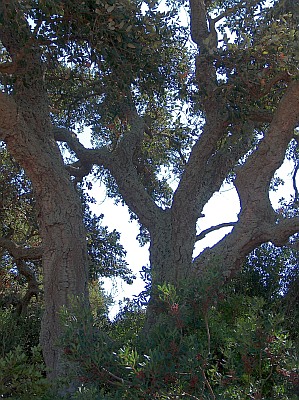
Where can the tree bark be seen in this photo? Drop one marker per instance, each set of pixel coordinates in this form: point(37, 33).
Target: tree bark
point(61, 227)
point(26, 129)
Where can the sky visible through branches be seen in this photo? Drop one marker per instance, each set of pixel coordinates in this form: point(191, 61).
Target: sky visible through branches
point(222, 207)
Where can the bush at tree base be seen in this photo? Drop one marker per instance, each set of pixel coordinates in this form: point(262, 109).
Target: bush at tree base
point(236, 349)
point(239, 348)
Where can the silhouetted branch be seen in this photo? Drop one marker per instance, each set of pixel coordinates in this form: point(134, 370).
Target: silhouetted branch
point(214, 228)
point(294, 182)
point(32, 288)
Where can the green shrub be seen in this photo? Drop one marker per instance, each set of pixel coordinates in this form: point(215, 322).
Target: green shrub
point(15, 330)
point(23, 377)
point(236, 350)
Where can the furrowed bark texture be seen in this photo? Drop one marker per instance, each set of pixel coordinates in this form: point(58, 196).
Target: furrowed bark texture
point(26, 129)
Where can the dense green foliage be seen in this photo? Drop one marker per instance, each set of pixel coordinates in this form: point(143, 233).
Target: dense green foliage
point(242, 347)
point(245, 346)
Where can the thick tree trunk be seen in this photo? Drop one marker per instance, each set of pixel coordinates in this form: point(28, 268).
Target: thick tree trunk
point(63, 239)
point(170, 259)
point(64, 261)
point(62, 233)
point(26, 128)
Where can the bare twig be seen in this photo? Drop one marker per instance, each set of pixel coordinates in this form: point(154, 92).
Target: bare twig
point(207, 383)
point(229, 11)
point(214, 228)
point(294, 182)
point(206, 318)
point(115, 377)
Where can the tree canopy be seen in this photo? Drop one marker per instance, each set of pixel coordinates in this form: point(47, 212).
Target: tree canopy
point(217, 101)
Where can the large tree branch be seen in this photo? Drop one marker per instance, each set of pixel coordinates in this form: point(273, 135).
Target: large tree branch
point(204, 34)
point(199, 28)
point(191, 194)
point(206, 170)
point(20, 252)
point(8, 115)
point(200, 180)
point(281, 231)
point(207, 159)
point(234, 247)
point(254, 177)
point(119, 163)
point(121, 166)
point(258, 223)
point(67, 136)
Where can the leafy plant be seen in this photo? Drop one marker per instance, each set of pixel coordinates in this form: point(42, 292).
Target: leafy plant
point(23, 377)
point(238, 348)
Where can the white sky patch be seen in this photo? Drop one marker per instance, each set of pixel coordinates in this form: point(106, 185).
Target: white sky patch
point(286, 190)
point(118, 217)
point(223, 206)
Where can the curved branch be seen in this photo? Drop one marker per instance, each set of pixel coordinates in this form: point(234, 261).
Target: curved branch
point(67, 136)
point(21, 252)
point(214, 228)
point(254, 177)
point(121, 166)
point(296, 199)
point(119, 163)
point(32, 288)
